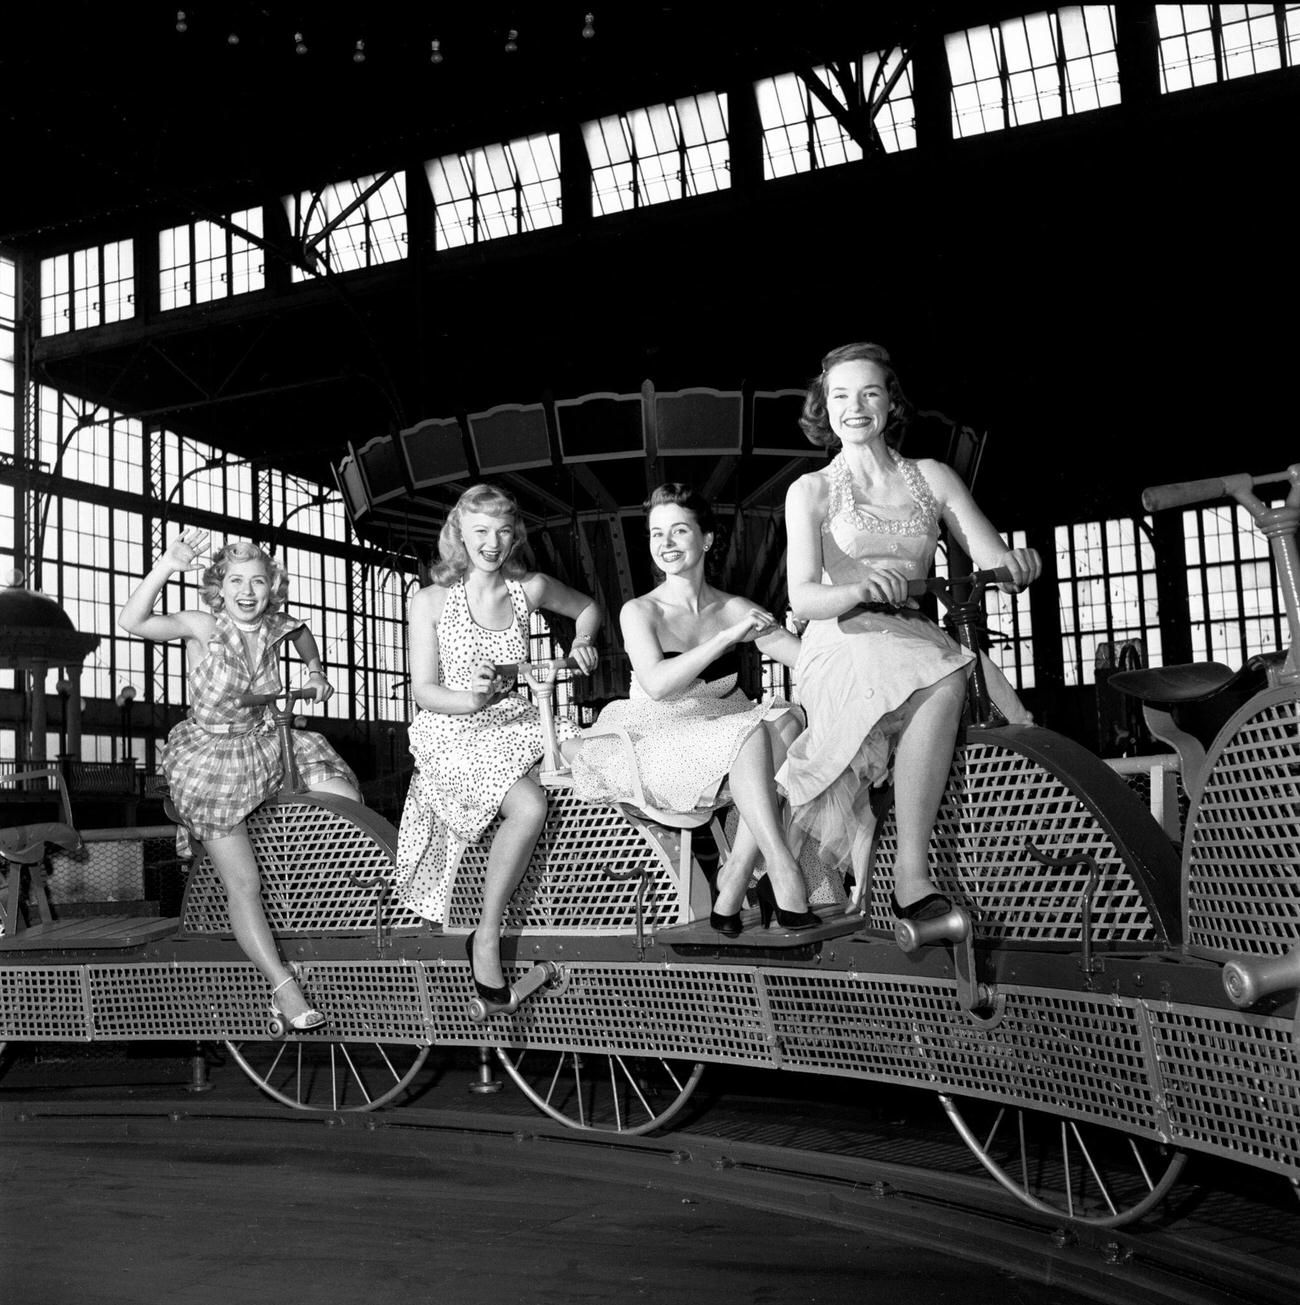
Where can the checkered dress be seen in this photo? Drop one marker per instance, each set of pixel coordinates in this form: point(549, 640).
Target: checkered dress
point(223, 760)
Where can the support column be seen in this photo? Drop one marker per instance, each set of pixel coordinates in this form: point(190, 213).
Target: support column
point(38, 672)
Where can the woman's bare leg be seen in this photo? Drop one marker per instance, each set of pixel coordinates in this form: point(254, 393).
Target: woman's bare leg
point(236, 867)
point(339, 787)
point(922, 761)
point(754, 792)
point(523, 813)
point(734, 875)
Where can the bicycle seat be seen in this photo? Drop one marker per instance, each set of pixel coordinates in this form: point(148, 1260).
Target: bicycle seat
point(1195, 682)
point(25, 844)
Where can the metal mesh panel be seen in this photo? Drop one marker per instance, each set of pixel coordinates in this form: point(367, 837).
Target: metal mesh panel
point(1242, 861)
point(199, 1000)
point(307, 855)
point(1071, 1054)
point(1231, 1082)
point(1077, 1055)
point(98, 871)
point(371, 1001)
point(694, 1012)
point(43, 1003)
point(583, 875)
point(840, 1023)
point(997, 801)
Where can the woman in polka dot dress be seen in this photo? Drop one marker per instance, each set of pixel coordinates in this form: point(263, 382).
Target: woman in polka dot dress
point(476, 740)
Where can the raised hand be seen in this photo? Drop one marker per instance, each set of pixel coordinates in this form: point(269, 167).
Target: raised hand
point(184, 553)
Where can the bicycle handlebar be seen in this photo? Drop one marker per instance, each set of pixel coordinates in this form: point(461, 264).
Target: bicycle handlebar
point(288, 696)
point(516, 669)
point(998, 575)
point(1186, 492)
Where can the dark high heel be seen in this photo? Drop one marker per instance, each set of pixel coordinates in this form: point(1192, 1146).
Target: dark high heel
point(929, 907)
point(498, 996)
point(767, 907)
point(727, 925)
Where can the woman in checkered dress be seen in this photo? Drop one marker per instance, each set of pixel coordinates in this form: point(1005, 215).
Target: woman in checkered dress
point(475, 739)
point(224, 760)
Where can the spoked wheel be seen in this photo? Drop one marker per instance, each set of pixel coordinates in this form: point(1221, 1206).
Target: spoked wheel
point(1087, 1172)
point(317, 1074)
point(601, 1092)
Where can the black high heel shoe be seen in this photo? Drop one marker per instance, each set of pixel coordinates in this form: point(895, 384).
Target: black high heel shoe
point(727, 925)
point(767, 907)
point(929, 907)
point(498, 996)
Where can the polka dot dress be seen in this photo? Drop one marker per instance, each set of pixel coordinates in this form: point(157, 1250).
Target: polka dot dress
point(465, 765)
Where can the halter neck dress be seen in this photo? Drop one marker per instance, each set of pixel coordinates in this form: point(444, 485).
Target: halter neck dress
point(855, 672)
point(466, 764)
point(223, 760)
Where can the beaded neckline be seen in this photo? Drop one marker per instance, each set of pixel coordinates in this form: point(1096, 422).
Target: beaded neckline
point(842, 507)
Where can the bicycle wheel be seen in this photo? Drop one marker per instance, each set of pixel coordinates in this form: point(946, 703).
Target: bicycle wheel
point(318, 1074)
point(603, 1092)
point(1087, 1172)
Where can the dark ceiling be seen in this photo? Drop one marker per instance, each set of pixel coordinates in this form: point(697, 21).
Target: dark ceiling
point(1102, 294)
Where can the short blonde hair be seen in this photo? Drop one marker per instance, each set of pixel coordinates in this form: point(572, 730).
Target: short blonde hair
point(490, 501)
point(240, 550)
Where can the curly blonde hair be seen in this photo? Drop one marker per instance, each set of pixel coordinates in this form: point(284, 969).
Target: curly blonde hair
point(240, 550)
point(490, 501)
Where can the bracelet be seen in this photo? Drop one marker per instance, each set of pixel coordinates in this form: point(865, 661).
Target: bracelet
point(583, 638)
point(318, 675)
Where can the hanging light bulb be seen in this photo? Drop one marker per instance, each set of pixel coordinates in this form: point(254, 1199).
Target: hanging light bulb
point(181, 24)
point(589, 27)
point(233, 38)
point(435, 51)
point(512, 41)
point(299, 45)
point(359, 54)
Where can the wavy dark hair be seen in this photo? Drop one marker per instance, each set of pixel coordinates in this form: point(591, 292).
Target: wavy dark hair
point(490, 501)
point(240, 550)
point(676, 493)
point(813, 420)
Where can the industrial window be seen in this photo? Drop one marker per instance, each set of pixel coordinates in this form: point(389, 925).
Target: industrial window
point(318, 595)
point(202, 261)
point(350, 225)
point(500, 190)
point(1204, 44)
point(1107, 576)
point(1233, 589)
point(388, 591)
point(87, 287)
point(1032, 68)
point(660, 153)
point(201, 477)
point(801, 134)
point(8, 315)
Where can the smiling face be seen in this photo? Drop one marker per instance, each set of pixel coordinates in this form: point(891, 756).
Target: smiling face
point(676, 540)
point(488, 540)
point(246, 588)
point(857, 400)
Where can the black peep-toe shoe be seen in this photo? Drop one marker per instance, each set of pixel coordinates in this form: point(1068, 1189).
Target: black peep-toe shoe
point(767, 907)
point(929, 907)
point(727, 925)
point(498, 996)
